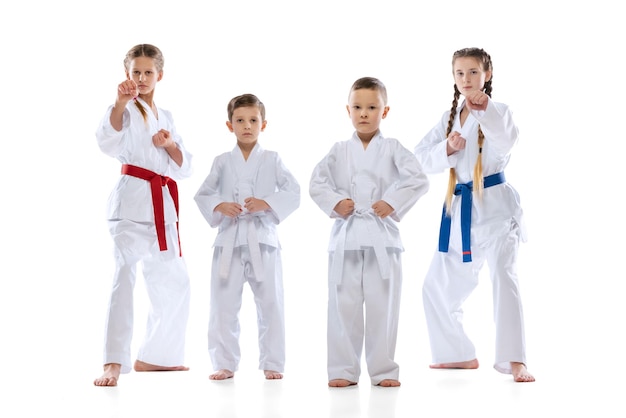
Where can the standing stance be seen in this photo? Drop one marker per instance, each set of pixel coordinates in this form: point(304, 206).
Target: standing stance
point(143, 221)
point(246, 194)
point(481, 221)
point(367, 184)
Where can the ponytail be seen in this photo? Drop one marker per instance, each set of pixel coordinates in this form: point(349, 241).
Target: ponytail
point(141, 109)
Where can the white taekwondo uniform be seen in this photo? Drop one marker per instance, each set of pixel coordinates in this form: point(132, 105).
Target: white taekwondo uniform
point(247, 249)
point(144, 234)
point(496, 231)
point(364, 251)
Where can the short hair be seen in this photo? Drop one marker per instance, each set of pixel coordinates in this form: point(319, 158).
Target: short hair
point(370, 83)
point(245, 100)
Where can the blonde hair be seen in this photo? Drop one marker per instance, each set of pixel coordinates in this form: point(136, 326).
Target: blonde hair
point(149, 51)
point(485, 61)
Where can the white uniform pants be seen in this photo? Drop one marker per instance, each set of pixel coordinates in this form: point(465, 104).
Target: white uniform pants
point(349, 327)
point(449, 282)
point(226, 299)
point(167, 284)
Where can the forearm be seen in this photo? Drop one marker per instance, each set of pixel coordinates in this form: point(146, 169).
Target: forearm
point(175, 154)
point(117, 116)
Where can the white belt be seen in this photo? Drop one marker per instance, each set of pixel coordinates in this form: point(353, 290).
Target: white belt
point(382, 257)
point(253, 246)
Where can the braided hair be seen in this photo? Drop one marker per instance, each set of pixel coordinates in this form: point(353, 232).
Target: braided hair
point(485, 61)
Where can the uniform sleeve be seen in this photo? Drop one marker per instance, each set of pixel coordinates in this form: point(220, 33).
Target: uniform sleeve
point(431, 151)
point(286, 199)
point(185, 169)
point(208, 195)
point(322, 188)
point(111, 141)
point(410, 185)
point(498, 126)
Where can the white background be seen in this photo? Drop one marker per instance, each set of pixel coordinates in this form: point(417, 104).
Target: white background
point(557, 64)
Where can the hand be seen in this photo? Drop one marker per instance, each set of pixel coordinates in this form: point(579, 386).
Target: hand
point(455, 142)
point(162, 139)
point(126, 91)
point(382, 209)
point(252, 204)
point(345, 207)
point(230, 209)
point(477, 100)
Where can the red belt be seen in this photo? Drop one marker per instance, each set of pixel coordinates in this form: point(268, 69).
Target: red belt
point(156, 185)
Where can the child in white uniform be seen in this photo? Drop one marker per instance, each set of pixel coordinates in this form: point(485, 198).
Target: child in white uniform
point(481, 221)
point(143, 221)
point(367, 184)
point(247, 193)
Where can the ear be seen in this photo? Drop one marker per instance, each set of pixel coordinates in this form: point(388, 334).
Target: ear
point(127, 75)
point(160, 76)
point(229, 125)
point(487, 76)
point(348, 109)
point(385, 111)
point(263, 125)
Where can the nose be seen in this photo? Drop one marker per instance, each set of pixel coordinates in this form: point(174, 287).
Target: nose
point(363, 113)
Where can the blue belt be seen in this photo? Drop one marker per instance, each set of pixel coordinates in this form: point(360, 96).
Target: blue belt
point(465, 190)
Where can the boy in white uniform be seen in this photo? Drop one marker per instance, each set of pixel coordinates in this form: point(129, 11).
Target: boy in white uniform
point(143, 221)
point(366, 184)
point(246, 194)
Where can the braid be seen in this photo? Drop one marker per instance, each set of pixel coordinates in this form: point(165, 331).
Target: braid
point(478, 168)
point(452, 178)
point(485, 60)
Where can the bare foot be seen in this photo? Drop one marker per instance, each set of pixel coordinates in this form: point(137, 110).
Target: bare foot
point(470, 364)
point(222, 375)
point(140, 366)
point(271, 375)
point(520, 374)
point(389, 383)
point(340, 383)
point(110, 375)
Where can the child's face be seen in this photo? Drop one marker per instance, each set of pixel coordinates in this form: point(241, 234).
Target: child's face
point(469, 75)
point(247, 124)
point(366, 109)
point(143, 72)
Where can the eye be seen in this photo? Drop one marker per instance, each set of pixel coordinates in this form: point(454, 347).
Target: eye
point(372, 107)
